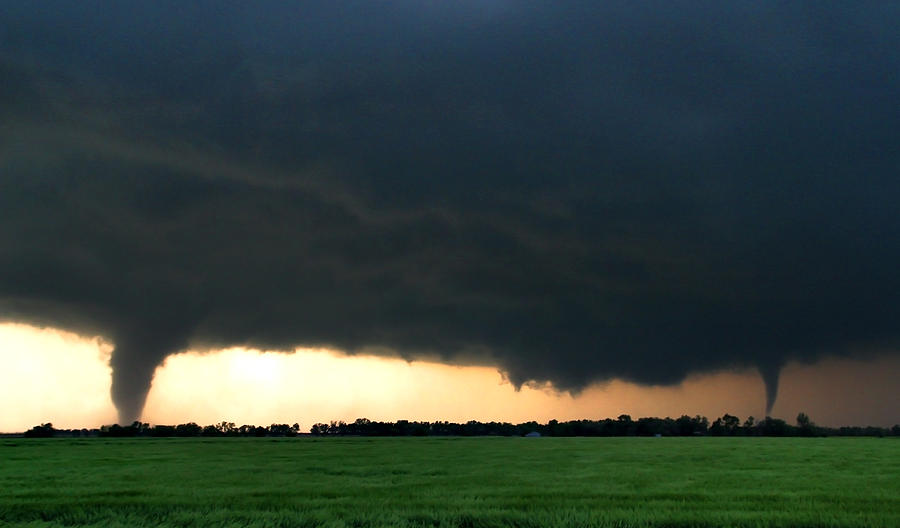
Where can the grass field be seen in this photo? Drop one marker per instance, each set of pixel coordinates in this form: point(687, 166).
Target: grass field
point(369, 482)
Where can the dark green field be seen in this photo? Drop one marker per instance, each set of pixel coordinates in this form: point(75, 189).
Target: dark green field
point(363, 482)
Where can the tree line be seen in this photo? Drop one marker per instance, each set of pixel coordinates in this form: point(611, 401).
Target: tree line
point(624, 425)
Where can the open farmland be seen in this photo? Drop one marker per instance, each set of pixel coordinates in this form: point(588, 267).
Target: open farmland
point(374, 482)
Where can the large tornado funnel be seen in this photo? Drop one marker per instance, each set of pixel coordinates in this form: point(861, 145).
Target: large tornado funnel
point(134, 359)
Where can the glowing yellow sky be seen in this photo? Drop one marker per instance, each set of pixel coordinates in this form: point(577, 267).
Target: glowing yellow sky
point(49, 375)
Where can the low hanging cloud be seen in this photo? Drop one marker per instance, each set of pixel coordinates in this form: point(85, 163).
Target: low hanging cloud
point(569, 192)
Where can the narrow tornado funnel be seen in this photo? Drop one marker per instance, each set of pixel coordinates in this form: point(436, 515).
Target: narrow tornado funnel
point(770, 373)
point(134, 360)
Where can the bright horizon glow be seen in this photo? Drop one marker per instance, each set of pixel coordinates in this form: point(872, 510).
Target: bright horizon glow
point(47, 375)
point(53, 376)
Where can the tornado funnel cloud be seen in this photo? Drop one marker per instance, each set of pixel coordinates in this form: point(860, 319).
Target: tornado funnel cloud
point(130, 386)
point(134, 360)
point(770, 374)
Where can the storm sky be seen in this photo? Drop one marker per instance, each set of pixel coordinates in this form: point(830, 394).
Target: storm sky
point(569, 191)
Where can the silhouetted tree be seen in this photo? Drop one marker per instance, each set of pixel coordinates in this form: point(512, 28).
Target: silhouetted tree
point(227, 429)
point(211, 430)
point(749, 425)
point(773, 427)
point(163, 431)
point(247, 430)
point(805, 425)
point(337, 428)
point(732, 424)
point(188, 429)
point(727, 425)
point(140, 428)
point(117, 431)
point(651, 426)
point(687, 426)
point(41, 431)
point(622, 426)
point(283, 430)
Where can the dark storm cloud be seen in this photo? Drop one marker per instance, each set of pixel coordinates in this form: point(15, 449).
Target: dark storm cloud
point(571, 191)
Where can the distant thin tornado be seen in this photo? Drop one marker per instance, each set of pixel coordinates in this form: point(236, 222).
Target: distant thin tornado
point(770, 373)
